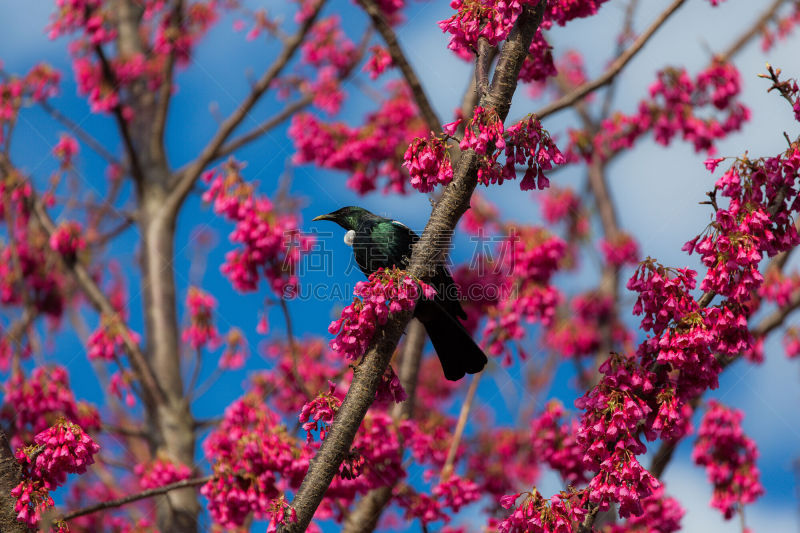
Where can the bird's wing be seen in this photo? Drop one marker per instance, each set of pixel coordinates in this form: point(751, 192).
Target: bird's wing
point(395, 240)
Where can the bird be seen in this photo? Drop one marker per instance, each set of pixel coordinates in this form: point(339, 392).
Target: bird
point(380, 242)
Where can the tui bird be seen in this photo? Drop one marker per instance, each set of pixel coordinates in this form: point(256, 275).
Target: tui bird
point(383, 243)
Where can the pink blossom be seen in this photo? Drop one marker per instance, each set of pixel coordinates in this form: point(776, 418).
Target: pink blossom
point(67, 239)
point(729, 457)
point(428, 164)
point(386, 291)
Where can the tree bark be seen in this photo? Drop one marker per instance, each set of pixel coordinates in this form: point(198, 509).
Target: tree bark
point(10, 473)
point(172, 420)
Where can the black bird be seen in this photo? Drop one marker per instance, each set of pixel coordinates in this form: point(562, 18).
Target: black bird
point(383, 243)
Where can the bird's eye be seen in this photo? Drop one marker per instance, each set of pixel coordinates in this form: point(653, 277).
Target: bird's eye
point(349, 237)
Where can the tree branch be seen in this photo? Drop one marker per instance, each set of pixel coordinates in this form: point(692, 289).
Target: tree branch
point(616, 67)
point(759, 24)
point(127, 139)
point(149, 493)
point(186, 179)
point(269, 124)
point(427, 253)
point(367, 512)
point(165, 91)
point(400, 61)
point(80, 133)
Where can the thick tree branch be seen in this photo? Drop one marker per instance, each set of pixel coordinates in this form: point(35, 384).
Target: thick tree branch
point(400, 61)
point(149, 493)
point(427, 253)
point(186, 179)
point(365, 516)
point(615, 68)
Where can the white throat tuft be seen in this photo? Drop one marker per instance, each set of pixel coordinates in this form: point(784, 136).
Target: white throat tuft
point(349, 237)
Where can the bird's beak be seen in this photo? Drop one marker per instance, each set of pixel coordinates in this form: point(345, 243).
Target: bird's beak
point(322, 217)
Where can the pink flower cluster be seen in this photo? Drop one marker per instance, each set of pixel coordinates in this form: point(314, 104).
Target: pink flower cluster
point(327, 45)
point(379, 60)
point(307, 368)
point(29, 272)
point(609, 434)
point(554, 443)
point(648, 394)
point(106, 342)
point(525, 143)
point(386, 291)
point(530, 257)
point(778, 287)
point(252, 455)
point(757, 210)
point(367, 153)
point(60, 450)
point(674, 108)
point(428, 163)
point(39, 84)
point(456, 492)
point(94, 26)
point(535, 513)
point(31, 405)
point(490, 19)
point(235, 353)
point(201, 331)
point(562, 11)
point(620, 251)
point(791, 342)
point(68, 239)
point(661, 513)
point(729, 457)
point(564, 205)
point(538, 64)
point(65, 150)
point(271, 246)
point(581, 331)
point(318, 414)
point(160, 472)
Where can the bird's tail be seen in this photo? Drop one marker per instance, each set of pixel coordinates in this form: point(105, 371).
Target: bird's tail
point(457, 352)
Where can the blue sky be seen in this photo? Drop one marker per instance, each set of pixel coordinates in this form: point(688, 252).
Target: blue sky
point(657, 191)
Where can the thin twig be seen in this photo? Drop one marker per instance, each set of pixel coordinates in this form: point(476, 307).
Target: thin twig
point(293, 350)
point(759, 25)
point(80, 133)
point(616, 67)
point(122, 124)
point(463, 416)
